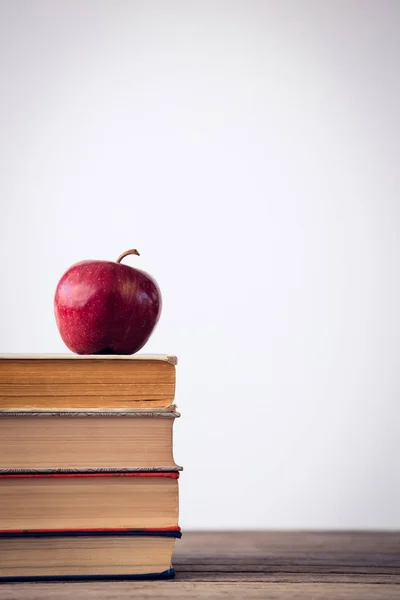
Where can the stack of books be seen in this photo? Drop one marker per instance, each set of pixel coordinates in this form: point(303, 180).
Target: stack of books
point(88, 482)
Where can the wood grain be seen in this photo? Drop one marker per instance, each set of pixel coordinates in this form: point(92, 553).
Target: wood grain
point(264, 565)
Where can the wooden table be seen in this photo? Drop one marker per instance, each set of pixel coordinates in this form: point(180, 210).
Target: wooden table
point(261, 565)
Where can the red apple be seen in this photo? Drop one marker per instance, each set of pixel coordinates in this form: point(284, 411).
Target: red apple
point(104, 307)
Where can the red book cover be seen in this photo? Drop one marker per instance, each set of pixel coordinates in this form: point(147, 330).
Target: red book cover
point(172, 474)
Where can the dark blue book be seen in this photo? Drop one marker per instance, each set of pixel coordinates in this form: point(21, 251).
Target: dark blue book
point(86, 554)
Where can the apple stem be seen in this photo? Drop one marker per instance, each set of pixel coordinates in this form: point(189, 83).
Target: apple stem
point(127, 254)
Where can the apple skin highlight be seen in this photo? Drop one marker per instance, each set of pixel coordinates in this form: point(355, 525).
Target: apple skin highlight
point(104, 307)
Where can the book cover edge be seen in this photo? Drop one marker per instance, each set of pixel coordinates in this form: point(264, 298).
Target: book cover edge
point(170, 358)
point(165, 474)
point(168, 574)
point(98, 413)
point(171, 408)
point(37, 533)
point(161, 469)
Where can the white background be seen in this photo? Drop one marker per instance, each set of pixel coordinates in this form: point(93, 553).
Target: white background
point(250, 151)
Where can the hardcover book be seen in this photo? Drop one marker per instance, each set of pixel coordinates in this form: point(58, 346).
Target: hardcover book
point(89, 501)
point(88, 481)
point(70, 442)
point(35, 556)
point(71, 381)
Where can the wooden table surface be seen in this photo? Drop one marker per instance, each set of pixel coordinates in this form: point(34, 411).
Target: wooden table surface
point(250, 565)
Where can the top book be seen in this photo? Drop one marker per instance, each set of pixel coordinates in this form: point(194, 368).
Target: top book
point(71, 381)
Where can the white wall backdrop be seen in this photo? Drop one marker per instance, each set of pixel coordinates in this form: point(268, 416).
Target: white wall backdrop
point(250, 151)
